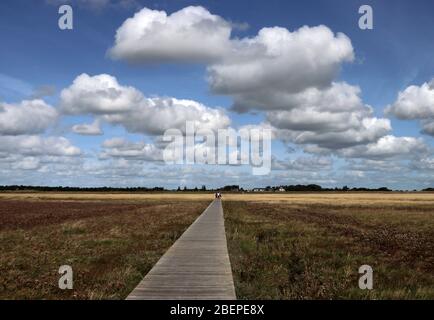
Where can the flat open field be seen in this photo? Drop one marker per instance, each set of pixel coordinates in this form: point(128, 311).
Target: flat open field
point(109, 244)
point(281, 246)
point(310, 246)
point(296, 197)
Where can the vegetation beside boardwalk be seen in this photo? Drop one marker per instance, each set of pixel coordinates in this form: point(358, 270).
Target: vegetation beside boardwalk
point(281, 245)
point(313, 249)
point(110, 245)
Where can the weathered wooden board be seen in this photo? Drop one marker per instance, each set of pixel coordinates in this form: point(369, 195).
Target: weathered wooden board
point(197, 266)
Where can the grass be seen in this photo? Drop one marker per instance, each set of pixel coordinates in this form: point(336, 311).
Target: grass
point(109, 244)
point(281, 246)
point(104, 196)
point(312, 249)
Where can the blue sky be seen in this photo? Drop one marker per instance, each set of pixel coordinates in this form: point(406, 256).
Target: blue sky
point(38, 61)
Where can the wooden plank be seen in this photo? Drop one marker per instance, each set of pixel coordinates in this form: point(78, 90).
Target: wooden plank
point(196, 267)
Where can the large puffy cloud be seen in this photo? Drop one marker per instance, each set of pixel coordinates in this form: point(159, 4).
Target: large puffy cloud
point(21, 148)
point(331, 118)
point(337, 97)
point(264, 69)
point(27, 117)
point(121, 148)
point(256, 71)
point(102, 95)
point(289, 74)
point(190, 35)
point(416, 102)
point(32, 145)
point(156, 115)
point(365, 130)
point(388, 147)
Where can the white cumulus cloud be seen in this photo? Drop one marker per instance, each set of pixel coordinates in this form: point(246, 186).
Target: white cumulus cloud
point(26, 117)
point(190, 35)
point(331, 118)
point(100, 94)
point(416, 102)
point(257, 71)
point(33, 145)
point(388, 147)
point(93, 129)
point(103, 96)
point(277, 62)
point(123, 149)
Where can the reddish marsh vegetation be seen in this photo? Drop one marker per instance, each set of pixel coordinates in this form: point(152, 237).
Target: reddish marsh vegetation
point(109, 244)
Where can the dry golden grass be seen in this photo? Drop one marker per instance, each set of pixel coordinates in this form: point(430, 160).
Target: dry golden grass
point(365, 198)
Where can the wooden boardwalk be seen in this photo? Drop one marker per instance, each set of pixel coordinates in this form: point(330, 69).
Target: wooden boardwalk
point(196, 267)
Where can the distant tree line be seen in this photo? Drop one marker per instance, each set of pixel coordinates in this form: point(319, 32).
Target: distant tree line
point(315, 187)
point(429, 189)
point(203, 188)
point(231, 188)
point(76, 189)
point(195, 189)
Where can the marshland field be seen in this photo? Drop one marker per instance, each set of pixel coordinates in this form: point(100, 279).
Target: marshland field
point(281, 245)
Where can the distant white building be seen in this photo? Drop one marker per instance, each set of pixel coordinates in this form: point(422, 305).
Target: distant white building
point(258, 189)
point(281, 189)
